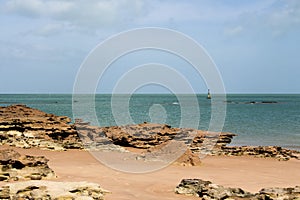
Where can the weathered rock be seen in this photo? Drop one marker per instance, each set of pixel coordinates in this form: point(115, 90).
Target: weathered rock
point(206, 190)
point(13, 166)
point(146, 135)
point(279, 193)
point(217, 139)
point(26, 127)
point(48, 190)
point(9, 154)
point(142, 136)
point(188, 159)
point(259, 151)
point(93, 138)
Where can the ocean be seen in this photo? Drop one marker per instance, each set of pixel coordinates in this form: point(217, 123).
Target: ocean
point(257, 119)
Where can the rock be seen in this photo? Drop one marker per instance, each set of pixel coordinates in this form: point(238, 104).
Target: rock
point(48, 190)
point(13, 166)
point(4, 192)
point(9, 154)
point(259, 151)
point(280, 193)
point(142, 136)
point(146, 135)
point(252, 102)
point(205, 139)
point(26, 127)
point(188, 159)
point(206, 190)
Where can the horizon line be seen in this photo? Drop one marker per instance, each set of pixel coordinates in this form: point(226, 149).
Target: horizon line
point(148, 93)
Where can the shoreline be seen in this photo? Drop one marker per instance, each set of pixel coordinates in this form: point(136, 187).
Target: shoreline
point(36, 133)
point(245, 172)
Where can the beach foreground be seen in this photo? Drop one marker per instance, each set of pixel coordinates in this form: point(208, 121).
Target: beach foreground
point(248, 173)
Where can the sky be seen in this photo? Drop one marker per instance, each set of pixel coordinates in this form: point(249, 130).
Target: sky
point(255, 44)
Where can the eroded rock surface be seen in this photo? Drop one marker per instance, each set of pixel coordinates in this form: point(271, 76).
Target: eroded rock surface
point(26, 127)
point(15, 167)
point(146, 135)
point(142, 136)
point(48, 190)
point(207, 190)
point(188, 159)
point(259, 151)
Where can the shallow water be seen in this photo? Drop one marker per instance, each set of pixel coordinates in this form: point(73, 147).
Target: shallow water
point(256, 119)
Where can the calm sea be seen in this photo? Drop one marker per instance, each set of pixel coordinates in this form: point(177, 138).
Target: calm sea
point(255, 123)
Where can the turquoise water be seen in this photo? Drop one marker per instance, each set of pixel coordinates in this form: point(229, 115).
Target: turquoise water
point(254, 123)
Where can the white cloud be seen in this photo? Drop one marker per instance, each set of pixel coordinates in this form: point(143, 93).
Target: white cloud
point(91, 13)
point(285, 17)
point(38, 8)
point(99, 14)
point(233, 31)
point(50, 29)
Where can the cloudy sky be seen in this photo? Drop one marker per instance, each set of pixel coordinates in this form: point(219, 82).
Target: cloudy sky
point(254, 43)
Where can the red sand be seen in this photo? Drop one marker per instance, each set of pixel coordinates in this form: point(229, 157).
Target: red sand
point(248, 173)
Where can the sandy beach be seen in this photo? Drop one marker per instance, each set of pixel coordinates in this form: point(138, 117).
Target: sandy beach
point(248, 173)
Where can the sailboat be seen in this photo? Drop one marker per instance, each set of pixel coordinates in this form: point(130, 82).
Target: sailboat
point(208, 95)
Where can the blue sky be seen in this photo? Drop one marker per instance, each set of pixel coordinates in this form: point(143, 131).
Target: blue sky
point(254, 43)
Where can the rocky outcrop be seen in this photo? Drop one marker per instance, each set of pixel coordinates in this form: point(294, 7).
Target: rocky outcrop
point(206, 190)
point(26, 127)
point(94, 138)
point(259, 151)
point(52, 190)
point(188, 159)
point(142, 136)
point(146, 135)
point(15, 167)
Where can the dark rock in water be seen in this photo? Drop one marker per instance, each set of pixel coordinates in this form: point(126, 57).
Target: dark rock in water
point(13, 166)
point(251, 102)
point(206, 190)
point(269, 102)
